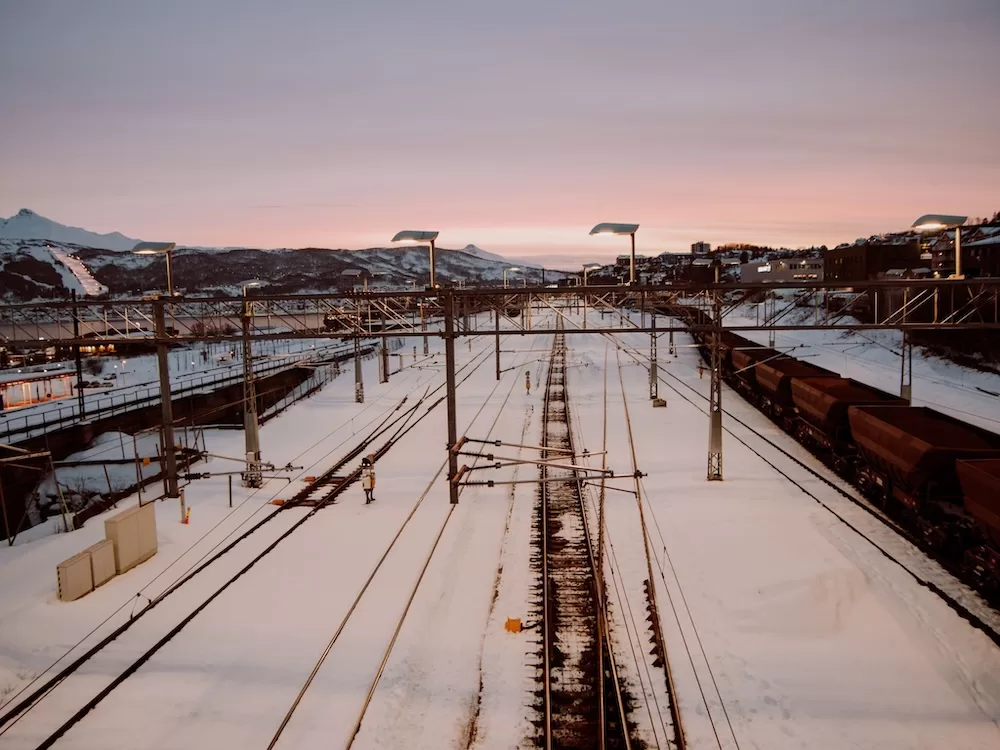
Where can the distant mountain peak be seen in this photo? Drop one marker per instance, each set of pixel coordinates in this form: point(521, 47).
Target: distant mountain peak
point(28, 225)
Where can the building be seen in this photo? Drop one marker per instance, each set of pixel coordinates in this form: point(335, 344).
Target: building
point(872, 260)
point(982, 257)
point(701, 249)
point(791, 269)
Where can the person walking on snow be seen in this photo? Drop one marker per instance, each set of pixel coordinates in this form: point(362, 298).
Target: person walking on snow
point(527, 381)
point(367, 479)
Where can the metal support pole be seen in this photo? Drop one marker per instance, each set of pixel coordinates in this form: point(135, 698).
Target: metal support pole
point(384, 369)
point(496, 317)
point(906, 369)
point(654, 379)
point(433, 273)
point(3, 508)
point(449, 364)
point(170, 277)
point(631, 262)
point(359, 386)
point(79, 359)
point(715, 397)
point(252, 476)
point(958, 253)
point(423, 327)
point(166, 406)
point(770, 318)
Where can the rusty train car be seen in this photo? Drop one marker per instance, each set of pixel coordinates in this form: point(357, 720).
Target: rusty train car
point(935, 475)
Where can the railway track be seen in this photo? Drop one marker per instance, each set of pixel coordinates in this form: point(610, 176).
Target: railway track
point(583, 701)
point(369, 592)
point(319, 493)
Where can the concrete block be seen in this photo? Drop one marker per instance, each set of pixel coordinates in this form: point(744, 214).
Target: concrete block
point(74, 577)
point(102, 561)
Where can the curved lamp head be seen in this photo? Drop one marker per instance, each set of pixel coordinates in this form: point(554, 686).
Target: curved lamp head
point(153, 248)
point(414, 235)
point(591, 266)
point(512, 268)
point(933, 222)
point(611, 228)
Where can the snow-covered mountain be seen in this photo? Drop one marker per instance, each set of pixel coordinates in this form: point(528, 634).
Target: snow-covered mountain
point(27, 225)
point(42, 259)
point(486, 255)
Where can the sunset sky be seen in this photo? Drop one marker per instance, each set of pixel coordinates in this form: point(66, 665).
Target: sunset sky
point(512, 124)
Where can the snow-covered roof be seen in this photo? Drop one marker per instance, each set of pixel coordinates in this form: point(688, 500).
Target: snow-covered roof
point(994, 240)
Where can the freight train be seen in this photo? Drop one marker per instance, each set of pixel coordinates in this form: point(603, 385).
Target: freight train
point(936, 476)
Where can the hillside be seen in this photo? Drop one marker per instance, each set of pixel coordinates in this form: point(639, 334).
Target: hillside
point(42, 259)
point(45, 269)
point(27, 225)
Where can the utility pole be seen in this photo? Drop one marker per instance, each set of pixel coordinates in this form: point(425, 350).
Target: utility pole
point(496, 319)
point(715, 395)
point(423, 327)
point(79, 359)
point(359, 386)
point(252, 476)
point(906, 369)
point(449, 364)
point(384, 352)
point(166, 406)
point(654, 384)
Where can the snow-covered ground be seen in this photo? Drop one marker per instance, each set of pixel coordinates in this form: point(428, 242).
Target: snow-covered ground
point(81, 278)
point(784, 627)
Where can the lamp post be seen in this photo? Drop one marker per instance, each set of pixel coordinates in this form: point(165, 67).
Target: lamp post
point(934, 222)
point(413, 235)
point(512, 269)
point(629, 229)
point(587, 268)
point(159, 248)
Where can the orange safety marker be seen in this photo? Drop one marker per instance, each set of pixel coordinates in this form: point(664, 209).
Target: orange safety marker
point(309, 479)
point(187, 516)
point(277, 501)
point(513, 625)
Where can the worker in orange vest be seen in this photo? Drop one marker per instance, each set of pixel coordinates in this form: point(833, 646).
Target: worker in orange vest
point(527, 381)
point(367, 479)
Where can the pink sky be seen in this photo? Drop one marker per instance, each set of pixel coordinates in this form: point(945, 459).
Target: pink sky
point(514, 126)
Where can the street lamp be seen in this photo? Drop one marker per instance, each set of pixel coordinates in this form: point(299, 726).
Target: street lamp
point(589, 267)
point(158, 248)
point(512, 269)
point(629, 229)
point(412, 235)
point(934, 222)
